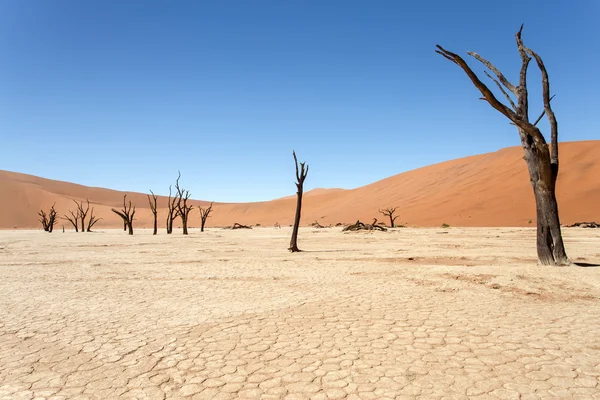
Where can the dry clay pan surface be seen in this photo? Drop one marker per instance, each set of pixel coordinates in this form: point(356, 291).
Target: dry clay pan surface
point(409, 313)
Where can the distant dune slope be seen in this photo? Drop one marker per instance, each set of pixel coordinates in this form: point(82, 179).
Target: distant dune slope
point(485, 190)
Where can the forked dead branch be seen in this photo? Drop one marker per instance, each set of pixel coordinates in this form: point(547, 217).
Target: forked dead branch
point(542, 160)
point(359, 226)
point(204, 214)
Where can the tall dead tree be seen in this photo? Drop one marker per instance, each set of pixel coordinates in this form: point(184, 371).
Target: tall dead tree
point(73, 219)
point(127, 213)
point(300, 177)
point(82, 212)
point(183, 209)
point(542, 161)
point(48, 220)
point(152, 203)
point(92, 221)
point(389, 212)
point(171, 212)
point(204, 214)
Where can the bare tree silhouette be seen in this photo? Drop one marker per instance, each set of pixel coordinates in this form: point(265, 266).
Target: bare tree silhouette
point(389, 212)
point(300, 177)
point(542, 161)
point(204, 214)
point(127, 213)
point(183, 209)
point(152, 203)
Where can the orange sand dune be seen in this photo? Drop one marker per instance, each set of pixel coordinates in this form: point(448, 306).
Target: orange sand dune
point(484, 190)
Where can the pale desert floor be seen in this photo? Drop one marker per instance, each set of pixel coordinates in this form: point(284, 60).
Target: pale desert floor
point(413, 313)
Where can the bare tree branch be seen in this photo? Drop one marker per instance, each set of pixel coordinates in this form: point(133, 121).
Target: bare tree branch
point(496, 71)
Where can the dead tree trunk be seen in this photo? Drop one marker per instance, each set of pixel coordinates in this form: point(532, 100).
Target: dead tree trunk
point(152, 203)
point(542, 161)
point(127, 214)
point(183, 209)
point(389, 212)
point(82, 212)
point(92, 221)
point(172, 212)
point(48, 220)
point(300, 177)
point(204, 214)
point(73, 219)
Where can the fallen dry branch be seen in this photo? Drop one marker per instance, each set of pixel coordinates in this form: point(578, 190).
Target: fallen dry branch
point(585, 225)
point(316, 224)
point(240, 226)
point(359, 226)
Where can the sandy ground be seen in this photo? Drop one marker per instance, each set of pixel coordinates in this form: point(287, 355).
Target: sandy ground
point(412, 313)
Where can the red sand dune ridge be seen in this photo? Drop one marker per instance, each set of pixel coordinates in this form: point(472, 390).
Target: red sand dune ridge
point(484, 190)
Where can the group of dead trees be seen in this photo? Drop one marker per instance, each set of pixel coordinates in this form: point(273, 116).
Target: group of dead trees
point(76, 217)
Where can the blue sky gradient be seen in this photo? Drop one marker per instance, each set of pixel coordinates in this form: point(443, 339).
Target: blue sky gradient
point(122, 94)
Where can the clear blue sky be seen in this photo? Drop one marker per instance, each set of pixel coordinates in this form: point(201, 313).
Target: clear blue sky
point(122, 94)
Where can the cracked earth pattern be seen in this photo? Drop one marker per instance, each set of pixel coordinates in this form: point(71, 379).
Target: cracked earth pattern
point(412, 313)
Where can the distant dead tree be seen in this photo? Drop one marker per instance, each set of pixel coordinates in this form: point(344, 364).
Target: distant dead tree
point(300, 177)
point(152, 203)
point(389, 212)
point(542, 161)
point(82, 212)
point(92, 221)
point(127, 213)
point(73, 219)
point(171, 211)
point(183, 209)
point(48, 220)
point(204, 214)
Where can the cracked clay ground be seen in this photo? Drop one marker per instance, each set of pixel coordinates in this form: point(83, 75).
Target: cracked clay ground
point(413, 313)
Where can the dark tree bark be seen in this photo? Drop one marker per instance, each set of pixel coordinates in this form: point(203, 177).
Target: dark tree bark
point(82, 212)
point(389, 212)
point(127, 213)
point(204, 214)
point(92, 221)
point(48, 220)
point(183, 209)
point(73, 219)
point(542, 160)
point(300, 177)
point(172, 212)
point(152, 202)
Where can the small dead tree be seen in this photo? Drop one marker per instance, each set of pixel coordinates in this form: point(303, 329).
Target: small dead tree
point(127, 213)
point(172, 213)
point(204, 214)
point(92, 221)
point(73, 219)
point(300, 177)
point(48, 220)
point(542, 161)
point(152, 203)
point(82, 212)
point(359, 226)
point(389, 212)
point(183, 209)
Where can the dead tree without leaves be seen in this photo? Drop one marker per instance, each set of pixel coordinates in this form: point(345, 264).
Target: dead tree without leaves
point(73, 219)
point(48, 220)
point(389, 212)
point(204, 214)
point(82, 212)
point(171, 211)
point(182, 207)
point(92, 221)
point(542, 161)
point(126, 213)
point(240, 226)
point(300, 177)
point(152, 203)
